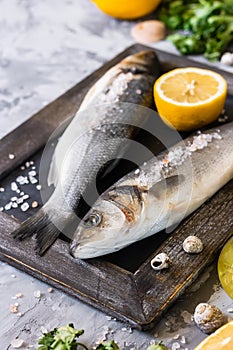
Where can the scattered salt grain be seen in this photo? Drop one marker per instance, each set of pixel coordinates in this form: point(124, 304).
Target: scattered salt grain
point(32, 173)
point(230, 310)
point(22, 167)
point(21, 193)
point(19, 295)
point(138, 92)
point(33, 180)
point(26, 196)
point(16, 304)
point(2, 189)
point(183, 340)
point(176, 336)
point(137, 171)
point(13, 276)
point(20, 200)
point(33, 167)
point(37, 294)
point(13, 199)
point(223, 119)
point(35, 204)
point(175, 346)
point(24, 206)
point(14, 186)
point(38, 187)
point(11, 156)
point(1, 208)
point(17, 343)
point(13, 309)
point(109, 318)
point(50, 290)
point(43, 330)
point(14, 205)
point(27, 164)
point(22, 180)
point(8, 206)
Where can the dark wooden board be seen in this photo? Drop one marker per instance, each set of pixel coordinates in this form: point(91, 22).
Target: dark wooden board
point(129, 290)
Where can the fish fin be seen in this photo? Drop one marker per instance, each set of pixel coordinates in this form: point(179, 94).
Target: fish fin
point(170, 182)
point(45, 238)
point(41, 225)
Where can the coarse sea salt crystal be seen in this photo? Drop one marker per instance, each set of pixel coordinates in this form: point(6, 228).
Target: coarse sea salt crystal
point(2, 189)
point(1, 208)
point(175, 346)
point(14, 186)
point(35, 204)
point(17, 343)
point(26, 196)
point(38, 187)
point(37, 294)
point(183, 340)
point(24, 206)
point(22, 180)
point(11, 156)
point(33, 180)
point(137, 171)
point(8, 206)
point(20, 200)
point(32, 173)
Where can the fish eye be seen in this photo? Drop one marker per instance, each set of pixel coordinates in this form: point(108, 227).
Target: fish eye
point(94, 219)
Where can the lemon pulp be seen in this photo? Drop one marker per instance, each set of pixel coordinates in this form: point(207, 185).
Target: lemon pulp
point(225, 267)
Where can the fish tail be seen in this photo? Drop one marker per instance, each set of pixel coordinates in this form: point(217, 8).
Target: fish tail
point(41, 225)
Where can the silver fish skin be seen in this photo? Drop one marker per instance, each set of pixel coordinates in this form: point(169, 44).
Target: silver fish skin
point(94, 135)
point(158, 195)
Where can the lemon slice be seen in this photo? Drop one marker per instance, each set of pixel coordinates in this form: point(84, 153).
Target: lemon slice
point(222, 339)
point(189, 98)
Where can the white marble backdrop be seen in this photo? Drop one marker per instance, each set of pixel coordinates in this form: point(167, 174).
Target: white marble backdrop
point(46, 47)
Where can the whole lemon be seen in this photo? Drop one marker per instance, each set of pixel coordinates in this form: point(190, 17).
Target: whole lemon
point(127, 9)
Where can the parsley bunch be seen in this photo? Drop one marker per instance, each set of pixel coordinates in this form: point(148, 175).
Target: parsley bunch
point(207, 25)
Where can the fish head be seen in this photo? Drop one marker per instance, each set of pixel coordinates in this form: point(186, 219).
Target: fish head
point(107, 227)
point(141, 62)
point(98, 231)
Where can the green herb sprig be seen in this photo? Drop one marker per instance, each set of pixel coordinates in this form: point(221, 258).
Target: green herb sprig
point(66, 338)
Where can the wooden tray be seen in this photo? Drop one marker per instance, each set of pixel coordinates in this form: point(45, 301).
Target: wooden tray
point(122, 284)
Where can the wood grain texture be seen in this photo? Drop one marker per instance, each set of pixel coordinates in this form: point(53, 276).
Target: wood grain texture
point(138, 298)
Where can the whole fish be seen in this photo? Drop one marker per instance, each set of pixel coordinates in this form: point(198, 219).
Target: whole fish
point(106, 116)
point(157, 195)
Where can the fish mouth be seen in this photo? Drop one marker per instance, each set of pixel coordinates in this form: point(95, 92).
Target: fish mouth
point(73, 249)
point(79, 251)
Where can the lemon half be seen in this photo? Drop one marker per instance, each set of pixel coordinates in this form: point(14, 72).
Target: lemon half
point(190, 98)
point(127, 9)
